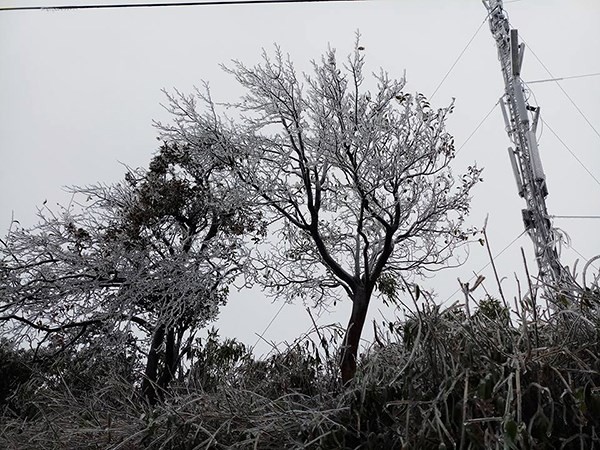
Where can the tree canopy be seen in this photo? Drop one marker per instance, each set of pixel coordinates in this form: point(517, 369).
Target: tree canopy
point(357, 184)
point(152, 255)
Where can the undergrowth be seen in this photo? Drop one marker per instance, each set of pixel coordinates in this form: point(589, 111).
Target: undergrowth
point(440, 378)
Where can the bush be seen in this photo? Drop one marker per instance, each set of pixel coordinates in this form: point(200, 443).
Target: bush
point(15, 372)
point(437, 379)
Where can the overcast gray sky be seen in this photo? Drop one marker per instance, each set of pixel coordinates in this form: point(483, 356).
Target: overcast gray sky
point(79, 91)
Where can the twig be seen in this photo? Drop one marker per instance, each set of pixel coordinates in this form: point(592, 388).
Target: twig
point(321, 338)
point(487, 246)
point(533, 302)
point(463, 429)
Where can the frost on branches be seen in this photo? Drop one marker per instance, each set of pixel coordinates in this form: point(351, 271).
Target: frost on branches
point(150, 256)
point(357, 183)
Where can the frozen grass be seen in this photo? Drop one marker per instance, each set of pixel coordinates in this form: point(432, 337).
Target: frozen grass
point(441, 378)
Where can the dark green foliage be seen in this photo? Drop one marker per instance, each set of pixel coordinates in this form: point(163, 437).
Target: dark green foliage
point(215, 361)
point(15, 371)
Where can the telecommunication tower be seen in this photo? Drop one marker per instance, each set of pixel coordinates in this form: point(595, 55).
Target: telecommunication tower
point(521, 119)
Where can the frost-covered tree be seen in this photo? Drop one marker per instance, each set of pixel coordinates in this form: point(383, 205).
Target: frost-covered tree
point(357, 183)
point(150, 256)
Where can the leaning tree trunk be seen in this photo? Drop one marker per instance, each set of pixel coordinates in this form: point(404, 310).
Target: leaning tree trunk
point(170, 361)
point(150, 381)
point(360, 305)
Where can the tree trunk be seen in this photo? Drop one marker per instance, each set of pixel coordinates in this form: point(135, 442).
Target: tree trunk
point(149, 384)
point(360, 305)
point(170, 361)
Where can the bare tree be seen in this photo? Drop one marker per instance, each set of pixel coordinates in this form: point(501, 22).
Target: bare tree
point(150, 256)
point(358, 183)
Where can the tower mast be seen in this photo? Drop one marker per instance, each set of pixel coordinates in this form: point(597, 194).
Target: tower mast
point(521, 121)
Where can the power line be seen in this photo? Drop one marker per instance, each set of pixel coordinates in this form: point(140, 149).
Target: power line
point(458, 58)
point(564, 92)
point(585, 259)
point(164, 4)
point(573, 217)
point(260, 336)
point(571, 152)
point(565, 78)
point(478, 126)
point(488, 264)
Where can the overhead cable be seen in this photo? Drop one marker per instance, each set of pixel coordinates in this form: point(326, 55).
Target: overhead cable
point(478, 126)
point(584, 258)
point(260, 336)
point(554, 216)
point(564, 92)
point(458, 58)
point(488, 264)
point(571, 152)
point(565, 78)
point(163, 4)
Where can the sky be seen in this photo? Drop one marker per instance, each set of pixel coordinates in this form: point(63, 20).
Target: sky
point(79, 90)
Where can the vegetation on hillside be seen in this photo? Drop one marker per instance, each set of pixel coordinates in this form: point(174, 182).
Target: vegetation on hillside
point(319, 193)
point(437, 379)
